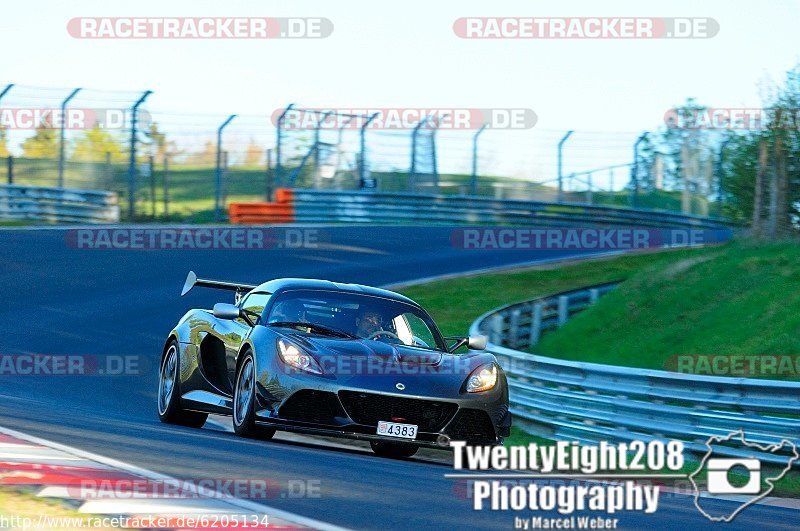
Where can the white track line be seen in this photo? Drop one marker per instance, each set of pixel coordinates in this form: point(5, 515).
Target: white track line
point(148, 474)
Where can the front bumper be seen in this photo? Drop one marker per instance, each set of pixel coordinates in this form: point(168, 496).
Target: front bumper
point(355, 414)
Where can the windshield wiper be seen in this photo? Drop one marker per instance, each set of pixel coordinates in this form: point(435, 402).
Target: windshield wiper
point(321, 329)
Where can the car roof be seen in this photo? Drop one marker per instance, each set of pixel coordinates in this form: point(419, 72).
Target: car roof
point(285, 284)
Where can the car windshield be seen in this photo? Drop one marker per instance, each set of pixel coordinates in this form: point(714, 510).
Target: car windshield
point(355, 315)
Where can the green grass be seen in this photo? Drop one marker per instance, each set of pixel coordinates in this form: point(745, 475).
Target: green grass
point(738, 299)
point(456, 303)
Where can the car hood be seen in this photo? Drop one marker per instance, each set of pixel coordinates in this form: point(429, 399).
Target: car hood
point(370, 349)
point(373, 365)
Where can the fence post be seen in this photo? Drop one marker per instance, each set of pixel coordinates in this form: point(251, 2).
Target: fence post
point(560, 196)
point(268, 178)
point(165, 182)
point(412, 174)
point(635, 172)
point(362, 168)
point(536, 324)
point(434, 158)
point(10, 168)
point(132, 162)
point(61, 136)
point(563, 309)
point(278, 145)
point(107, 170)
point(224, 178)
point(218, 193)
point(589, 190)
point(473, 183)
point(150, 161)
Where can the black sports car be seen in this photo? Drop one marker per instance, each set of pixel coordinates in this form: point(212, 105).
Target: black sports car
point(331, 359)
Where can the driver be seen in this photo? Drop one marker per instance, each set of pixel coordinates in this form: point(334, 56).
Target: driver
point(368, 322)
point(291, 311)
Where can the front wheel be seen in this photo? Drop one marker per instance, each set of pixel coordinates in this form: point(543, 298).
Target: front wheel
point(244, 398)
point(387, 449)
point(169, 392)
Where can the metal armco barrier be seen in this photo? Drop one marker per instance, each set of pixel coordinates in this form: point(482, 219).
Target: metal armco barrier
point(331, 206)
point(591, 402)
point(35, 203)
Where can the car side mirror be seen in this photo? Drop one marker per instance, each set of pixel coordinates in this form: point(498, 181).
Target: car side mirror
point(223, 310)
point(476, 342)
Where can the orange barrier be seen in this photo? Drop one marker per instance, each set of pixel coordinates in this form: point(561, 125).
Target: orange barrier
point(281, 211)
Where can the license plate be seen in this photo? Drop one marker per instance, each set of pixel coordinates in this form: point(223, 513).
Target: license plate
point(395, 429)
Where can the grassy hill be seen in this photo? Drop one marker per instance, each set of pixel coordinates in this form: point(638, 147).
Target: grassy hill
point(736, 300)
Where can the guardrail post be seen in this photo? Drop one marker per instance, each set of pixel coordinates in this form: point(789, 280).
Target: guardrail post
point(513, 328)
point(496, 329)
point(536, 323)
point(563, 310)
point(594, 294)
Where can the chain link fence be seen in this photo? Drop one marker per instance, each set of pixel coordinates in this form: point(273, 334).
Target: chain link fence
point(189, 166)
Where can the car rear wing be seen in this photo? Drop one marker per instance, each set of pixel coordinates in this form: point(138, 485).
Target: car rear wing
point(192, 281)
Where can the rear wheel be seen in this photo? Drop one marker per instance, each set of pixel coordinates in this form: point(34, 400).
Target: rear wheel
point(169, 393)
point(244, 398)
point(387, 449)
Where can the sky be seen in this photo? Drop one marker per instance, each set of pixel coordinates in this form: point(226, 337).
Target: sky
point(405, 54)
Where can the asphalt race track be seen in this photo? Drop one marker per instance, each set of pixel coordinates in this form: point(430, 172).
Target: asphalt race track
point(58, 299)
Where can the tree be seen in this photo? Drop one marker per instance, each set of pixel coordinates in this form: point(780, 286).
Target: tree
point(42, 145)
point(95, 144)
point(206, 156)
point(253, 155)
point(160, 147)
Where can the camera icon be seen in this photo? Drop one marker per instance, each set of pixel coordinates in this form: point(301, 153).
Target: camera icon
point(718, 482)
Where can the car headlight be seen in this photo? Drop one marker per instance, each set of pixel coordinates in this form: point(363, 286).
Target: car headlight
point(294, 356)
point(482, 379)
